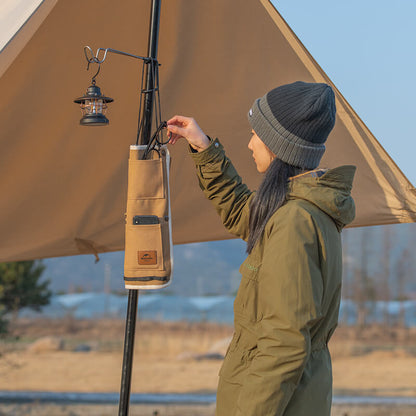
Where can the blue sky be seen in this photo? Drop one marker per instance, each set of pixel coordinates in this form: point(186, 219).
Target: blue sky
point(367, 48)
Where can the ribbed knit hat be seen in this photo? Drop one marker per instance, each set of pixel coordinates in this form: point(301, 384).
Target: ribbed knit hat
point(294, 121)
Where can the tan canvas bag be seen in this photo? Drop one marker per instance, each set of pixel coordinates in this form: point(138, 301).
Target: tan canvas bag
point(148, 240)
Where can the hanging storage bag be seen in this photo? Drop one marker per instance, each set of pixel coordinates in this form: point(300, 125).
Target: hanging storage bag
point(148, 238)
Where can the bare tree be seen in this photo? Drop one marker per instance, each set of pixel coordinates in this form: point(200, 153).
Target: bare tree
point(403, 269)
point(385, 294)
point(345, 273)
point(364, 287)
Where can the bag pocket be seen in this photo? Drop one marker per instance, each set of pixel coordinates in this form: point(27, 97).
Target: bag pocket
point(144, 247)
point(146, 179)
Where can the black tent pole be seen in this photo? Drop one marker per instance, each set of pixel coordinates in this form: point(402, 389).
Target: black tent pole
point(150, 81)
point(133, 295)
point(123, 409)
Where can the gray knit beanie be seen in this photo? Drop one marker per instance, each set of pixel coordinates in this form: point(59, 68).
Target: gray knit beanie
point(294, 121)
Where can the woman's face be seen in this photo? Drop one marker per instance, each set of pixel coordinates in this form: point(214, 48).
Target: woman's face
point(262, 155)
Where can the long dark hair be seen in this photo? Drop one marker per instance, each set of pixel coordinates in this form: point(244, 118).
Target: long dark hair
point(270, 196)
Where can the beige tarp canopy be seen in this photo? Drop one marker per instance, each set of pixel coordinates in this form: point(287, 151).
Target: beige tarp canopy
point(63, 186)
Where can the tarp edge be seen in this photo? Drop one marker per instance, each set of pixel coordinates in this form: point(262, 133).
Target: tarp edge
point(20, 39)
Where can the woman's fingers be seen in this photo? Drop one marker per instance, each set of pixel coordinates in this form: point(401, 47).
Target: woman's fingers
point(179, 120)
point(187, 127)
point(173, 134)
point(173, 138)
point(176, 128)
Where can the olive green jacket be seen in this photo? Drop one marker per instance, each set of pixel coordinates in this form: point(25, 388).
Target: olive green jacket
point(287, 305)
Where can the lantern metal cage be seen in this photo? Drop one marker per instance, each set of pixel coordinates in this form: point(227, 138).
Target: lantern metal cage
point(93, 106)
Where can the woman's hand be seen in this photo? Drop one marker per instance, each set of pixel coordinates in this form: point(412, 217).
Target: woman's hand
point(187, 127)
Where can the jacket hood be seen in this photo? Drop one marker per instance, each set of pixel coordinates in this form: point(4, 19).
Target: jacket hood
point(329, 190)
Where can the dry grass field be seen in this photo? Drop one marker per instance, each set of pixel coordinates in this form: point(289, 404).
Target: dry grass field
point(85, 356)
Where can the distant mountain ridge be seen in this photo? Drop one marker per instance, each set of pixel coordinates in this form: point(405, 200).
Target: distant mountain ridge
point(211, 268)
point(199, 269)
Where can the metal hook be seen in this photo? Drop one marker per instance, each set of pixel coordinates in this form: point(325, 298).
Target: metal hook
point(91, 60)
point(93, 78)
point(86, 50)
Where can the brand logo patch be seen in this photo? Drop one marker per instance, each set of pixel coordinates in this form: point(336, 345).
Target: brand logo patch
point(147, 258)
point(250, 113)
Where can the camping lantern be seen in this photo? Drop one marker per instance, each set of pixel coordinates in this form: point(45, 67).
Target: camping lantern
point(93, 106)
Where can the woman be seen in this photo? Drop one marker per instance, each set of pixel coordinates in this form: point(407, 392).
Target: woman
point(287, 305)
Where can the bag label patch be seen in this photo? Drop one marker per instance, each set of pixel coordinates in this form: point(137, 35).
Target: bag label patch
point(147, 258)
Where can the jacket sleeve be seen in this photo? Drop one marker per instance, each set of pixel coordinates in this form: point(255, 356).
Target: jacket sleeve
point(290, 294)
point(223, 186)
